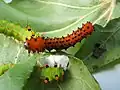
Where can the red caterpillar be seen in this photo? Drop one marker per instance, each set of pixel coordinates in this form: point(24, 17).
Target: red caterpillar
point(39, 44)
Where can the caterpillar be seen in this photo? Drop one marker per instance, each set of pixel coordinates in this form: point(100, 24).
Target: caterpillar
point(54, 67)
point(39, 44)
point(49, 74)
point(5, 67)
point(98, 51)
point(14, 30)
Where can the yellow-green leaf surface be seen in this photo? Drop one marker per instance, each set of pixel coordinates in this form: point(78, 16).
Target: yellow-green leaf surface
point(13, 52)
point(108, 37)
point(76, 78)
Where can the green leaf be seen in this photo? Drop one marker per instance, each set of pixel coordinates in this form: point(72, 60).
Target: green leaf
point(116, 11)
point(50, 15)
point(109, 38)
point(77, 77)
point(12, 52)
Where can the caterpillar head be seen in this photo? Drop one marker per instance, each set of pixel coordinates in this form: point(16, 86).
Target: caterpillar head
point(35, 44)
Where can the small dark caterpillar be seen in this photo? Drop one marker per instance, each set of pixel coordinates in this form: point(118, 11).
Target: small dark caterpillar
point(4, 68)
point(19, 33)
point(98, 51)
point(39, 44)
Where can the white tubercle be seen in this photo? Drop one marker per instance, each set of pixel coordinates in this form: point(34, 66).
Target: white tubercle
point(25, 44)
point(60, 60)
